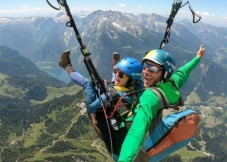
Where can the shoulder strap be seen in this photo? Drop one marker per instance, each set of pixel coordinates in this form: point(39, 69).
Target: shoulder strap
point(164, 102)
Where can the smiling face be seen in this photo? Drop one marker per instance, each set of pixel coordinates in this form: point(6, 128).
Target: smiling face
point(120, 78)
point(152, 73)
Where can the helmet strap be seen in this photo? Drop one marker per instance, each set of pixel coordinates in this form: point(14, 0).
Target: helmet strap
point(165, 76)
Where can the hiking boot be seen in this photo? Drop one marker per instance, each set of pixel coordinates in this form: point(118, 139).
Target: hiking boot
point(65, 60)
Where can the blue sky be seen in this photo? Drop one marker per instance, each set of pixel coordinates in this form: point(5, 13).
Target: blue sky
point(212, 11)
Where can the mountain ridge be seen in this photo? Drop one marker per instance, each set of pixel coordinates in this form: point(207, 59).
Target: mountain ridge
point(153, 22)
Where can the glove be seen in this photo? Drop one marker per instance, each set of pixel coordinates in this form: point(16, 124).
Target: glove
point(116, 58)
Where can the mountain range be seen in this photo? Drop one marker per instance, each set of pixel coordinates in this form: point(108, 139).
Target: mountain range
point(43, 39)
point(38, 37)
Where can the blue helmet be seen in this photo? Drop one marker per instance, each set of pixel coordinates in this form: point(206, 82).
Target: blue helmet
point(130, 67)
point(164, 59)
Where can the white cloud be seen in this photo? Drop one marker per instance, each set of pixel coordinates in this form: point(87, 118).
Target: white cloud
point(204, 13)
point(206, 17)
point(122, 5)
point(26, 11)
point(139, 6)
point(213, 19)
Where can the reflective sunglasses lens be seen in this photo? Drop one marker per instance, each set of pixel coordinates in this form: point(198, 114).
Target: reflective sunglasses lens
point(151, 68)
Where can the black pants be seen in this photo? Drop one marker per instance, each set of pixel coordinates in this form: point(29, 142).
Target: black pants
point(113, 139)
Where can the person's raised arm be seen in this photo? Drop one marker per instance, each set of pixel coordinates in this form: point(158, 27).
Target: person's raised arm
point(181, 76)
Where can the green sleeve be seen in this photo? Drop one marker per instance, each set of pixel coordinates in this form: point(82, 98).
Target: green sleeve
point(145, 111)
point(181, 76)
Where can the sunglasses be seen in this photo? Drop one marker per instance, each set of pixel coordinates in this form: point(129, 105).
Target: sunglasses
point(120, 73)
point(152, 68)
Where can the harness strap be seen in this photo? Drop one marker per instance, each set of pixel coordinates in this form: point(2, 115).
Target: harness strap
point(194, 14)
point(164, 102)
point(97, 81)
point(175, 8)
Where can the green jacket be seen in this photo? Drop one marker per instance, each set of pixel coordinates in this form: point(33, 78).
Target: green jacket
point(147, 108)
